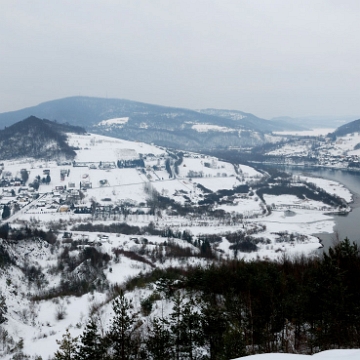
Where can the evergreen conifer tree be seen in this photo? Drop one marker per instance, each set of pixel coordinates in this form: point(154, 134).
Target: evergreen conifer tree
point(186, 328)
point(233, 344)
point(91, 345)
point(121, 330)
point(67, 348)
point(159, 341)
point(214, 325)
point(3, 309)
point(6, 212)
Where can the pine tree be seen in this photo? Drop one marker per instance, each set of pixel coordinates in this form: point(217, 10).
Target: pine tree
point(175, 317)
point(214, 325)
point(159, 342)
point(3, 309)
point(6, 212)
point(234, 345)
point(186, 328)
point(121, 330)
point(24, 175)
point(91, 345)
point(193, 335)
point(67, 349)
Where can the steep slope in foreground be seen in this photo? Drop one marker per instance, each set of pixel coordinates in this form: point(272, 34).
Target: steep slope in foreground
point(37, 138)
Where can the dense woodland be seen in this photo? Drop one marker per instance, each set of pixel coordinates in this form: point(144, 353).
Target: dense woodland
point(38, 138)
point(237, 308)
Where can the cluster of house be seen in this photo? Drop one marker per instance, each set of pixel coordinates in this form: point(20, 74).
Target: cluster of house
point(319, 151)
point(60, 199)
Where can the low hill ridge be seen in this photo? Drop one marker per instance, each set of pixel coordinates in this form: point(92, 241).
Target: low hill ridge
point(165, 126)
point(351, 127)
point(37, 138)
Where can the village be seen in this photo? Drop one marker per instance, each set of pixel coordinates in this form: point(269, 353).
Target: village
point(113, 181)
point(92, 187)
point(319, 150)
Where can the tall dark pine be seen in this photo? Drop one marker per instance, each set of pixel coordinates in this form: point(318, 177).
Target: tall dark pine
point(214, 326)
point(3, 309)
point(91, 345)
point(122, 326)
point(186, 329)
point(24, 175)
point(67, 347)
point(159, 341)
point(6, 212)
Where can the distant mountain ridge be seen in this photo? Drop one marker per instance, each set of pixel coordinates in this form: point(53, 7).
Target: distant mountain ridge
point(37, 138)
point(252, 121)
point(161, 125)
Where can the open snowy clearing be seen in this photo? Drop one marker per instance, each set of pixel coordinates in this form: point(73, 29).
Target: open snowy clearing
point(331, 187)
point(103, 148)
point(208, 127)
point(313, 132)
point(115, 121)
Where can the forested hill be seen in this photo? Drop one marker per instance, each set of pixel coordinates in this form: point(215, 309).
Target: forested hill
point(88, 111)
point(349, 128)
point(162, 125)
point(302, 306)
point(37, 138)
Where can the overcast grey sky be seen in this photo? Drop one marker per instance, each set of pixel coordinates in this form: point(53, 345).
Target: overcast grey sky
point(267, 57)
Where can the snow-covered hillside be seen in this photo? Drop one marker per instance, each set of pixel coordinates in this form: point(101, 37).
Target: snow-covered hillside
point(79, 229)
point(318, 148)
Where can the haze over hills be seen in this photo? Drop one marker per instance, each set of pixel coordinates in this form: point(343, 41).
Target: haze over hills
point(315, 121)
point(167, 126)
point(253, 121)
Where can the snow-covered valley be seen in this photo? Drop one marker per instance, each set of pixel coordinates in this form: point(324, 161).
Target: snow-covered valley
point(121, 209)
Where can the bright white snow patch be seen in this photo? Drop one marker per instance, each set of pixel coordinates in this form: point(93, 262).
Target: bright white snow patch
point(115, 121)
point(313, 132)
point(206, 128)
point(331, 187)
point(103, 148)
point(350, 354)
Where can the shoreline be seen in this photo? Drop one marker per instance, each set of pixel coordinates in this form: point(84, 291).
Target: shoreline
point(343, 225)
point(354, 204)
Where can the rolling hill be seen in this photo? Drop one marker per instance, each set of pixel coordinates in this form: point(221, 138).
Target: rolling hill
point(165, 126)
point(351, 127)
point(37, 138)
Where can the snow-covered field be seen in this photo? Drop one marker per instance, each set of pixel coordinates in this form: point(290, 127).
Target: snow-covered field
point(115, 121)
point(313, 132)
point(331, 187)
point(207, 127)
point(336, 153)
point(350, 354)
point(115, 186)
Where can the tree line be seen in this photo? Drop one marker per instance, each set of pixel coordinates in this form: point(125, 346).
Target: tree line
point(237, 308)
